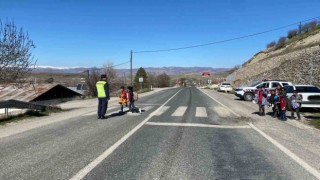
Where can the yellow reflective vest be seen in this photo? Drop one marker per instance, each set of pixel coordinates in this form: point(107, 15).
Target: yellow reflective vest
point(100, 89)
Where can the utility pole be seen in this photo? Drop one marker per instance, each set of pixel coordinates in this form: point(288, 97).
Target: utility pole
point(131, 67)
point(300, 28)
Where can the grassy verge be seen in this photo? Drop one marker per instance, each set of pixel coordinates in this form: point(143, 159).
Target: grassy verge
point(28, 114)
point(144, 90)
point(315, 123)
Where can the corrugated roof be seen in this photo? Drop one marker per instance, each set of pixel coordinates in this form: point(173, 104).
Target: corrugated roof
point(23, 92)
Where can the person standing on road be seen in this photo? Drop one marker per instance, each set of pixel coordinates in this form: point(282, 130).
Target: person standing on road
point(295, 99)
point(273, 100)
point(122, 98)
point(262, 100)
point(283, 107)
point(103, 96)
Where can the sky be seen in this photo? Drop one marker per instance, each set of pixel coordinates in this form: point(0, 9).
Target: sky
point(90, 33)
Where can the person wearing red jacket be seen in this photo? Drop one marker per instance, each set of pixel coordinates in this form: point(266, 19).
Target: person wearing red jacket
point(283, 110)
point(122, 98)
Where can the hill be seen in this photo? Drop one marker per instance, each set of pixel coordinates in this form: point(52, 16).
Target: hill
point(298, 61)
point(156, 70)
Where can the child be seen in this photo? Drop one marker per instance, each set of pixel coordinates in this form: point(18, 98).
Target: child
point(131, 97)
point(262, 100)
point(122, 98)
point(283, 108)
point(273, 103)
point(295, 99)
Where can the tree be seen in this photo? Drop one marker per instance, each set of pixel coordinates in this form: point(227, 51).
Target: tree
point(92, 77)
point(281, 42)
point(313, 24)
point(141, 73)
point(292, 33)
point(109, 71)
point(163, 80)
point(271, 44)
point(16, 59)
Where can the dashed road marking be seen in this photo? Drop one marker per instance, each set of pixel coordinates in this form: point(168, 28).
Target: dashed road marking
point(162, 110)
point(180, 111)
point(234, 113)
point(84, 171)
point(201, 112)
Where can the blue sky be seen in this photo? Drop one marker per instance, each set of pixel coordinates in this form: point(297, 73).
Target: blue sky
point(92, 33)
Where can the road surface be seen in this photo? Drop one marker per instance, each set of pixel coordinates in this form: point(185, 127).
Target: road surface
point(183, 133)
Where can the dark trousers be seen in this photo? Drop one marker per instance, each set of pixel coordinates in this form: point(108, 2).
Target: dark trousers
point(102, 106)
point(261, 109)
point(283, 114)
point(132, 108)
point(295, 110)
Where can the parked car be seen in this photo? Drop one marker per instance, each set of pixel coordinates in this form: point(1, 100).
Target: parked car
point(247, 93)
point(226, 87)
point(310, 95)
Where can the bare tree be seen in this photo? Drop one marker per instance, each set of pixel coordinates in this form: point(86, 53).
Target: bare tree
point(92, 77)
point(163, 80)
point(109, 71)
point(271, 44)
point(16, 59)
point(292, 33)
point(313, 24)
point(281, 42)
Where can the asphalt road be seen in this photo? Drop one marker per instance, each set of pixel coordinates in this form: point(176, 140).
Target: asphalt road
point(182, 134)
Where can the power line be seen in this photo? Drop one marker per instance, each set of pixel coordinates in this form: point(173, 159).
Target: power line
point(120, 64)
point(226, 40)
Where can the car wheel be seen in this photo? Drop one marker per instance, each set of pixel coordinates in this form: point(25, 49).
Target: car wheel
point(248, 96)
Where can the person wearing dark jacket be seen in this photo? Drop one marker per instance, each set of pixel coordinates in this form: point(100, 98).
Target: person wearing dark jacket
point(103, 96)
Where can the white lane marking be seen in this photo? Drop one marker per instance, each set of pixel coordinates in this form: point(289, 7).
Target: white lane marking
point(197, 125)
point(234, 113)
point(289, 153)
point(84, 171)
point(147, 108)
point(162, 110)
point(201, 112)
point(180, 111)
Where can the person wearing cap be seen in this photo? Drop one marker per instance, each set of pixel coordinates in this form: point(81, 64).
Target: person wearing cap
point(103, 96)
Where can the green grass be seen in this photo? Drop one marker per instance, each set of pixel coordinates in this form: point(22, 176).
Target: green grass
point(28, 114)
point(315, 123)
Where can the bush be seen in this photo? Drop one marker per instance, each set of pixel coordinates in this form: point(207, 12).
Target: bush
point(281, 42)
point(271, 44)
point(292, 33)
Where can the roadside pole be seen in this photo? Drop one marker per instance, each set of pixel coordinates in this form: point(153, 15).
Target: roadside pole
point(131, 67)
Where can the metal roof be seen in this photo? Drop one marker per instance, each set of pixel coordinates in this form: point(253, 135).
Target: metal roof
point(24, 92)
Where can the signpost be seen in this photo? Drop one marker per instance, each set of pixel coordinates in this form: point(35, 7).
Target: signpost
point(140, 81)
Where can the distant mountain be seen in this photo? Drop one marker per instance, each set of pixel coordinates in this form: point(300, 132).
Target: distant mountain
point(156, 70)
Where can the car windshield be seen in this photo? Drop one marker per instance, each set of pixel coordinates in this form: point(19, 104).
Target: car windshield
point(307, 89)
point(255, 84)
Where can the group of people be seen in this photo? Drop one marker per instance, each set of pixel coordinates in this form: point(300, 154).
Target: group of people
point(279, 101)
point(126, 98)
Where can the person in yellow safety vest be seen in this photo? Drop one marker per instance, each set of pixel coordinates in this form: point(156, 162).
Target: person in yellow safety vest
point(103, 96)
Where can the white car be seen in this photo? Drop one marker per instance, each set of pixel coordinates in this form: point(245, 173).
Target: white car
point(247, 93)
point(310, 95)
point(226, 87)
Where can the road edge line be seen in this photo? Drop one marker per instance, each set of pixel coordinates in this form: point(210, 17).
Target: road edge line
point(289, 153)
point(84, 171)
point(234, 113)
